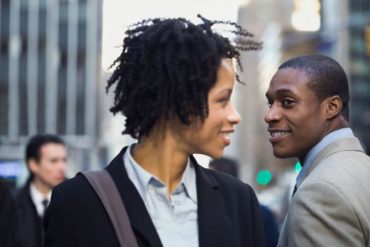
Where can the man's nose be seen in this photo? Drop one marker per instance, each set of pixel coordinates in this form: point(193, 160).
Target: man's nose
point(272, 114)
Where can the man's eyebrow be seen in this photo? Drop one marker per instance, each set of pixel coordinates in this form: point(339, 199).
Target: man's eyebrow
point(280, 91)
point(283, 90)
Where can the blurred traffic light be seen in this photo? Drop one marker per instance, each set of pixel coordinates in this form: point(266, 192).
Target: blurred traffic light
point(264, 177)
point(298, 167)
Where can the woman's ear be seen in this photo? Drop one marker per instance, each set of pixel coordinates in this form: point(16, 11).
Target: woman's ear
point(333, 106)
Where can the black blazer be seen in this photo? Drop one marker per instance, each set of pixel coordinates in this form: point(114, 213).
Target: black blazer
point(9, 227)
point(31, 230)
point(228, 212)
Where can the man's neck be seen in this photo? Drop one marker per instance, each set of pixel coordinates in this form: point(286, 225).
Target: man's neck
point(41, 187)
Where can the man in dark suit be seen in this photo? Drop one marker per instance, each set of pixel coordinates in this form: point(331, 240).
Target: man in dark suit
point(46, 159)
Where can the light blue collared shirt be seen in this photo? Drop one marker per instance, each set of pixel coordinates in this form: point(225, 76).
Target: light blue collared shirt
point(175, 219)
point(312, 154)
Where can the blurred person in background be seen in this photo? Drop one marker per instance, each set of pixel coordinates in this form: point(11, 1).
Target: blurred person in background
point(231, 167)
point(174, 80)
point(9, 233)
point(46, 159)
point(309, 119)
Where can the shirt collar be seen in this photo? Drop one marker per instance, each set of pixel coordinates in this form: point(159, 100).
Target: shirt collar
point(312, 154)
point(36, 195)
point(143, 177)
point(37, 198)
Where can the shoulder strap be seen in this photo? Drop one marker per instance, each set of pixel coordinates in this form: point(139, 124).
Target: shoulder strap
point(108, 194)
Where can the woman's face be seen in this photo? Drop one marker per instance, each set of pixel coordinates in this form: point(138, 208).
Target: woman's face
point(212, 135)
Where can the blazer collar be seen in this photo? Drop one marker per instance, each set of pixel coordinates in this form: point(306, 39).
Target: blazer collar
point(344, 144)
point(138, 214)
point(214, 226)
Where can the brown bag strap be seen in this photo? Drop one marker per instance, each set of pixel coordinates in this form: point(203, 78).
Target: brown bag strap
point(108, 194)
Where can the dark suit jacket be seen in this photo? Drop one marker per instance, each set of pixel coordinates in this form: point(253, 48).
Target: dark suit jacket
point(9, 234)
point(31, 230)
point(228, 212)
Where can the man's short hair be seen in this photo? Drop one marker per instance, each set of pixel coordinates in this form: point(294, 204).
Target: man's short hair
point(36, 142)
point(326, 77)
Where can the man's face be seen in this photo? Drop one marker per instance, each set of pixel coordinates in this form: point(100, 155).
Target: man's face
point(51, 168)
point(296, 119)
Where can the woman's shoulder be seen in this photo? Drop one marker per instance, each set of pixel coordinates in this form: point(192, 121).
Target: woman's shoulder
point(227, 181)
point(78, 186)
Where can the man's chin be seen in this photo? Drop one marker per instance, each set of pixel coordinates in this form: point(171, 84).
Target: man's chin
point(282, 155)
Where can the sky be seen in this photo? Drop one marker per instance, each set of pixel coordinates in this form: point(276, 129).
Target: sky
point(118, 14)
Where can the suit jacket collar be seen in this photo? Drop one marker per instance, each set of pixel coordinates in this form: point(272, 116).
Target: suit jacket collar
point(139, 216)
point(214, 227)
point(344, 144)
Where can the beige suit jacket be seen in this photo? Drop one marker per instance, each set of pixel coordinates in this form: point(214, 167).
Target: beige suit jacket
point(331, 207)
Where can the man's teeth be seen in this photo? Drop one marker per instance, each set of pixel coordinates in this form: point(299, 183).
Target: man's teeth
point(279, 133)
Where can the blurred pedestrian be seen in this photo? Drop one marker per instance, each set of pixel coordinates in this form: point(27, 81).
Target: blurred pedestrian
point(309, 119)
point(9, 233)
point(46, 159)
point(174, 81)
point(270, 226)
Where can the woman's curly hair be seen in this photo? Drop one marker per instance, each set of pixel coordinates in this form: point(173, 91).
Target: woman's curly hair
point(168, 66)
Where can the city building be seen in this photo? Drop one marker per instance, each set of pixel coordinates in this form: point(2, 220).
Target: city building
point(50, 69)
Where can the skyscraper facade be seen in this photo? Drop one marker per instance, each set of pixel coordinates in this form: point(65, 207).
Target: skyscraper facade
point(50, 67)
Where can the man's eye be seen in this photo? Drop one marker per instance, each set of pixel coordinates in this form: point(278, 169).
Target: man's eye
point(287, 102)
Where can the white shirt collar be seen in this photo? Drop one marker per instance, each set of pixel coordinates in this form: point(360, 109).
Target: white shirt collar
point(38, 198)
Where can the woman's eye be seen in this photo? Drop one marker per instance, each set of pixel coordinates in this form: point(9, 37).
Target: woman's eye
point(224, 101)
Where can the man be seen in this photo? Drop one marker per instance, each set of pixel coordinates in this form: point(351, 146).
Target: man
point(309, 119)
point(46, 159)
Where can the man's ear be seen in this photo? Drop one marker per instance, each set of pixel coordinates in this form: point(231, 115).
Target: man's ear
point(33, 165)
point(333, 106)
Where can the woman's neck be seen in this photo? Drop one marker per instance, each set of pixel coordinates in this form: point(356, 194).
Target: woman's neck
point(163, 157)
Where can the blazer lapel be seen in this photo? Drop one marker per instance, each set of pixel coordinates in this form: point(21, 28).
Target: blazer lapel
point(138, 214)
point(344, 144)
point(214, 226)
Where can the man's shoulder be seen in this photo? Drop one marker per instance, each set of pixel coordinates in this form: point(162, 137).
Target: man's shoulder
point(342, 165)
point(22, 194)
point(343, 175)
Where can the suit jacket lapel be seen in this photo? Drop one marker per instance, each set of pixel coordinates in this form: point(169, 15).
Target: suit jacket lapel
point(344, 144)
point(214, 226)
point(138, 214)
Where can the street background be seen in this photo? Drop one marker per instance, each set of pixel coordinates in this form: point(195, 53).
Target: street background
point(55, 57)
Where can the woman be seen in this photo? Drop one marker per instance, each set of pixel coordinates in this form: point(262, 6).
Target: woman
point(174, 81)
